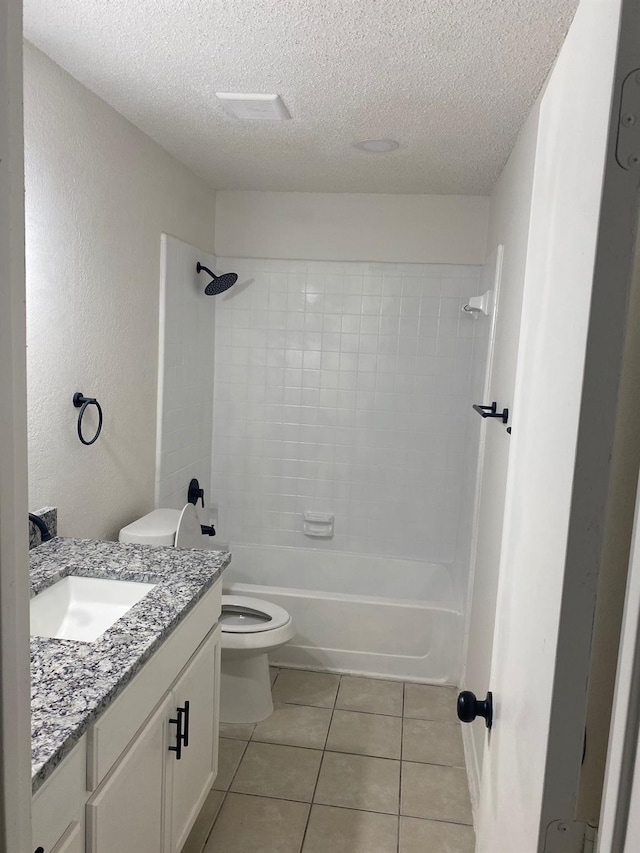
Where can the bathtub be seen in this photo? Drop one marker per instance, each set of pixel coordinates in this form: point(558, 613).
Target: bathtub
point(356, 614)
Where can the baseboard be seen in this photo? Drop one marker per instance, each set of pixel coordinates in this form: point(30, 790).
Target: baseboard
point(473, 769)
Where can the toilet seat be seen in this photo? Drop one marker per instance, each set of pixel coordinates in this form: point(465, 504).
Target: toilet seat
point(244, 615)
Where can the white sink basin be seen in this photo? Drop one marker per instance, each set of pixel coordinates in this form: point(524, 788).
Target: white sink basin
point(79, 608)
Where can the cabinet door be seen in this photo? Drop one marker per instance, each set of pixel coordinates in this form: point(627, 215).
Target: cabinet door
point(126, 814)
point(72, 841)
point(194, 773)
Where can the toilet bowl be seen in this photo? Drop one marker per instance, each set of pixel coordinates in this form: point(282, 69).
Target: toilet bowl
point(251, 628)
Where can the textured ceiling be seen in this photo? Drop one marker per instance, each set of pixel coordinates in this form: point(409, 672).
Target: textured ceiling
point(451, 80)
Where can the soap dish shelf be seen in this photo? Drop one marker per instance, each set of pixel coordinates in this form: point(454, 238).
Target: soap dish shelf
point(318, 524)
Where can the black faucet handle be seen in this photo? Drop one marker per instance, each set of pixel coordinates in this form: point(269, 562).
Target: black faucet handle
point(208, 530)
point(195, 493)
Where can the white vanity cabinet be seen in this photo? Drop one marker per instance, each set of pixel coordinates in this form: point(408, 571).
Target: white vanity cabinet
point(137, 780)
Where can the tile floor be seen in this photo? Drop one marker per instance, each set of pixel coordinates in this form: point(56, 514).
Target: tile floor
point(344, 765)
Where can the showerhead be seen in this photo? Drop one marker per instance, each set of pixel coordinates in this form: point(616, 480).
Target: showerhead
point(219, 283)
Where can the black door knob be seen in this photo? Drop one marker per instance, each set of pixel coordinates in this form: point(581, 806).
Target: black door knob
point(469, 707)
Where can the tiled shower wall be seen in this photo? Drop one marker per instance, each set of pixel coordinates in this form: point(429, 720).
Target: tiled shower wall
point(344, 388)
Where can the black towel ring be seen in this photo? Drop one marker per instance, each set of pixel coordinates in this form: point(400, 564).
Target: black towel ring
point(79, 400)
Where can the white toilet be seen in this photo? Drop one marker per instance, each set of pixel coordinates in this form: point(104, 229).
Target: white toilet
point(251, 628)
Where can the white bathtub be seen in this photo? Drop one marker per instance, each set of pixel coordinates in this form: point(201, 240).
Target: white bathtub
point(356, 614)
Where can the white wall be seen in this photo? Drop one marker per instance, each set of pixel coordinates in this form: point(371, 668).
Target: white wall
point(426, 229)
point(344, 388)
point(99, 193)
point(509, 226)
point(185, 382)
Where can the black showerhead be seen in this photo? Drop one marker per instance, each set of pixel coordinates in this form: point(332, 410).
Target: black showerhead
point(219, 283)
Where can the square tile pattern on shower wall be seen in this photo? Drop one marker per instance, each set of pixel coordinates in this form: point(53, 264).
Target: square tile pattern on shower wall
point(344, 765)
point(345, 388)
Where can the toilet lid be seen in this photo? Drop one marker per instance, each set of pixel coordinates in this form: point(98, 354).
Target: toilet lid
point(188, 532)
point(243, 615)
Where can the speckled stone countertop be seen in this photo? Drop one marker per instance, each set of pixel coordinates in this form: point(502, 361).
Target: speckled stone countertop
point(73, 682)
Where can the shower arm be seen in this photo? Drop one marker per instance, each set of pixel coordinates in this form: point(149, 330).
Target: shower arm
point(200, 268)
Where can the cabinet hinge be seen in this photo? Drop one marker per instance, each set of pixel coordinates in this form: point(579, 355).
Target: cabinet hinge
point(570, 836)
point(628, 143)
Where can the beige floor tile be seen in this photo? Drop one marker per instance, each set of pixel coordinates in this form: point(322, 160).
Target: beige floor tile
point(229, 755)
point(433, 743)
point(429, 702)
point(365, 734)
point(285, 772)
point(295, 725)
point(237, 731)
point(258, 825)
point(359, 782)
point(370, 694)
point(273, 673)
point(419, 836)
point(434, 792)
point(332, 830)
point(306, 688)
point(205, 820)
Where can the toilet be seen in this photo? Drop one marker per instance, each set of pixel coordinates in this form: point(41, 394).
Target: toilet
point(251, 627)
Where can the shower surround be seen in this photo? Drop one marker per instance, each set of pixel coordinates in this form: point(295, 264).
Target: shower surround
point(337, 387)
point(346, 387)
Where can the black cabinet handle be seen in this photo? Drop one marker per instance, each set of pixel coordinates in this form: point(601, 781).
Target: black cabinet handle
point(39, 850)
point(469, 708)
point(185, 711)
point(179, 734)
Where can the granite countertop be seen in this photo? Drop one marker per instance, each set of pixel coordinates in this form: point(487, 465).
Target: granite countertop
point(73, 682)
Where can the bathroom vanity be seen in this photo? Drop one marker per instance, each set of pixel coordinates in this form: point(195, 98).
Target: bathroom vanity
point(125, 728)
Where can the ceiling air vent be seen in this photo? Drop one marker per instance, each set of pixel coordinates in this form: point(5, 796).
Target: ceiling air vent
point(256, 107)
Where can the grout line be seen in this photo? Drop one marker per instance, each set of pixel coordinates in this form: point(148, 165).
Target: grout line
point(372, 713)
point(327, 805)
point(401, 765)
point(343, 808)
point(206, 840)
point(235, 772)
point(329, 707)
point(324, 750)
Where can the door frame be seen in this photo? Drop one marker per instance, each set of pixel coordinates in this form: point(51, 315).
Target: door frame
point(15, 719)
point(622, 780)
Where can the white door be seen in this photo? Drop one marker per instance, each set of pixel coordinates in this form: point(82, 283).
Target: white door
point(192, 777)
point(574, 308)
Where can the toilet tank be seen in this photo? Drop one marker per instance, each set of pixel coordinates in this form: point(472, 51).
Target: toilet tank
point(156, 528)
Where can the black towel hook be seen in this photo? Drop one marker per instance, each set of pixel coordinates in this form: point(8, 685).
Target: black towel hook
point(81, 402)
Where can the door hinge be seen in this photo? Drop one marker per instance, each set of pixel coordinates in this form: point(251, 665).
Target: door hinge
point(570, 836)
point(628, 143)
